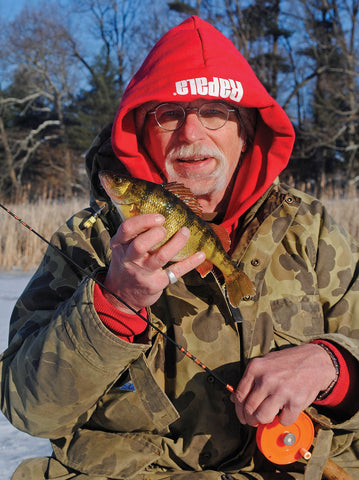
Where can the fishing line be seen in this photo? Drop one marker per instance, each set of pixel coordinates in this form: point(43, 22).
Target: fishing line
point(331, 472)
point(86, 274)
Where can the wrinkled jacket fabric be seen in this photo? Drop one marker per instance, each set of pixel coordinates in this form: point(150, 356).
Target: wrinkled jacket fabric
point(116, 410)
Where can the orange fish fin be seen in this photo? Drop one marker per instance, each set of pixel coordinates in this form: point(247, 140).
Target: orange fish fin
point(222, 234)
point(238, 287)
point(184, 194)
point(134, 210)
point(204, 268)
point(128, 210)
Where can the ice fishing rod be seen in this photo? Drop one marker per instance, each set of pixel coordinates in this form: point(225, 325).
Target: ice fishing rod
point(287, 445)
point(89, 275)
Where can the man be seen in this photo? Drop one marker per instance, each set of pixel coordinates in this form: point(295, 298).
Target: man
point(115, 397)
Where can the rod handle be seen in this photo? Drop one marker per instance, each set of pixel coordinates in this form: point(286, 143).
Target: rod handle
point(332, 471)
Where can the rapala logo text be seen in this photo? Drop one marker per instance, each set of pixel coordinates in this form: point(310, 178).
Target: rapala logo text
point(217, 87)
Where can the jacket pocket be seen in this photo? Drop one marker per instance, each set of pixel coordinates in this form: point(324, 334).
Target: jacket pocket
point(113, 455)
point(136, 404)
point(297, 318)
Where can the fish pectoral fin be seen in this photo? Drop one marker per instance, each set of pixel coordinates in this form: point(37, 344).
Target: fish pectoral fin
point(222, 234)
point(133, 210)
point(127, 210)
point(184, 194)
point(204, 268)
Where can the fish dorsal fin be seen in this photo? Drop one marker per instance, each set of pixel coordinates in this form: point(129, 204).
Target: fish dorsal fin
point(222, 234)
point(184, 194)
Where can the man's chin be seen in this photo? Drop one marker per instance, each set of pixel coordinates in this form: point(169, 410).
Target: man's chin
point(200, 183)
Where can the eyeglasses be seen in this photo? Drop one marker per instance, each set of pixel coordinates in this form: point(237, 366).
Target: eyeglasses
point(171, 116)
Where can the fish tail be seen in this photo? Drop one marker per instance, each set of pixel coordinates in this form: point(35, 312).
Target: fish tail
point(238, 286)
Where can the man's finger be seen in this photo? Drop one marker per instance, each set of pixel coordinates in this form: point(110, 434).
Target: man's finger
point(288, 416)
point(134, 226)
point(140, 247)
point(184, 266)
point(170, 249)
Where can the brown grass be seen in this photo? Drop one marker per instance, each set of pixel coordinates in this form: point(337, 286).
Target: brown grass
point(346, 213)
point(21, 249)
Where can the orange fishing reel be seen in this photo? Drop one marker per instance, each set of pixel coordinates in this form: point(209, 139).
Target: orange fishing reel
point(283, 445)
point(286, 444)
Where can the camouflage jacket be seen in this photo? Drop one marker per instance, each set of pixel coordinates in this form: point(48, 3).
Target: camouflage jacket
point(144, 410)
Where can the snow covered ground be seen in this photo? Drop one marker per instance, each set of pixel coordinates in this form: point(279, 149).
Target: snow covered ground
point(15, 446)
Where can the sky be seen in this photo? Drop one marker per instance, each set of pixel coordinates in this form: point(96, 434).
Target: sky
point(10, 8)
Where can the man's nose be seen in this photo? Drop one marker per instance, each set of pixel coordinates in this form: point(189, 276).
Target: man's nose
point(192, 129)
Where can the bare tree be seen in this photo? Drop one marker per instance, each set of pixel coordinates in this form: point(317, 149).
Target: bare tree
point(304, 51)
point(113, 25)
point(39, 68)
point(330, 133)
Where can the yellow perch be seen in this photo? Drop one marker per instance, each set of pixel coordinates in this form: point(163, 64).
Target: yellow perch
point(178, 205)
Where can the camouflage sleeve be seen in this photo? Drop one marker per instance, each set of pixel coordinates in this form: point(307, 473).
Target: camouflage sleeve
point(61, 359)
point(337, 268)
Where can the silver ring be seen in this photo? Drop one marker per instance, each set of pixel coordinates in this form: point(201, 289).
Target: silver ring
point(171, 276)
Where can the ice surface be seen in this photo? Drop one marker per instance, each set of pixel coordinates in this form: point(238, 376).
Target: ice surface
point(15, 446)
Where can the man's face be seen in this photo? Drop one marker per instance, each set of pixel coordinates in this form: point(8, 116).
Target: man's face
point(203, 160)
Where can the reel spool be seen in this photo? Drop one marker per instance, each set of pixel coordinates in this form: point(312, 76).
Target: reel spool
point(286, 444)
point(283, 445)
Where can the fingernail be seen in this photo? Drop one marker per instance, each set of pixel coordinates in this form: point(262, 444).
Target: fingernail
point(185, 231)
point(201, 256)
point(159, 218)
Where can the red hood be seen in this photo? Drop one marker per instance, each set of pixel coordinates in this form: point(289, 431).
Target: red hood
point(194, 60)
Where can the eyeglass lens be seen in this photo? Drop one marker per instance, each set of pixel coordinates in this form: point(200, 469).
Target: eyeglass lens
point(171, 116)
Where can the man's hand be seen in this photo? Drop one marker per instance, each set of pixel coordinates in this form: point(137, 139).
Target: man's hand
point(282, 383)
point(135, 273)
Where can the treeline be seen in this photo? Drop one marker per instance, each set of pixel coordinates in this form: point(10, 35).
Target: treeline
point(65, 65)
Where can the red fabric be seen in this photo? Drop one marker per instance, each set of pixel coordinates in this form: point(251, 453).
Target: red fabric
point(189, 56)
point(346, 390)
point(179, 68)
point(125, 325)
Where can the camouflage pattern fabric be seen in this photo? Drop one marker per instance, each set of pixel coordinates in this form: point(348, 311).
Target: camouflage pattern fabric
point(115, 410)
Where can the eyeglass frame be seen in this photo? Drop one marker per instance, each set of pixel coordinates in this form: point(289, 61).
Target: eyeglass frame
point(186, 109)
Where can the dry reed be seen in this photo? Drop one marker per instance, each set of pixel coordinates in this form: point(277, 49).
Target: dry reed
point(22, 250)
point(345, 212)
point(19, 248)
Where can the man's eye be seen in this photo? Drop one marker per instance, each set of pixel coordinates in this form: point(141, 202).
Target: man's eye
point(170, 115)
point(213, 112)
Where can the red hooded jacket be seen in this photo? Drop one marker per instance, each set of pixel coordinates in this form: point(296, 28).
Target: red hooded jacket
point(194, 60)
point(191, 61)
